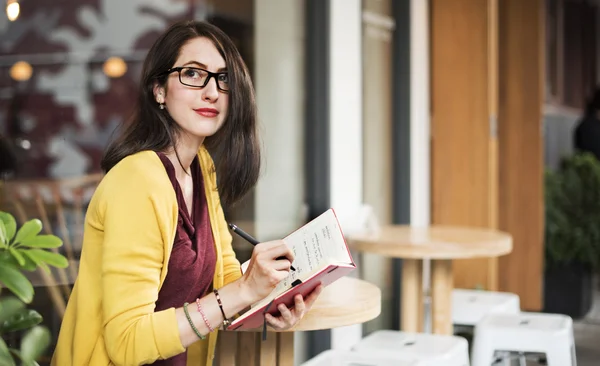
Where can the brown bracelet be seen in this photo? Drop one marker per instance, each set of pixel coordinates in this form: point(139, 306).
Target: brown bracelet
point(226, 321)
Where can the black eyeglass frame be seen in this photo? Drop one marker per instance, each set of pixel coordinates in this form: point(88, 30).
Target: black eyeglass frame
point(206, 81)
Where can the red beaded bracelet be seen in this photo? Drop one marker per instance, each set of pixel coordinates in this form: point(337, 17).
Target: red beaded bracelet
point(211, 329)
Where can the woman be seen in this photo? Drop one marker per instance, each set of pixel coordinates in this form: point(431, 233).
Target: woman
point(157, 271)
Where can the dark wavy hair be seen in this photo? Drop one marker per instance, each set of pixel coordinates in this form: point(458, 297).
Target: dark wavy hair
point(234, 148)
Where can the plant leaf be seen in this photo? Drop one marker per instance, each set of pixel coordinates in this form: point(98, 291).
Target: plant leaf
point(29, 229)
point(18, 256)
point(34, 343)
point(9, 307)
point(15, 281)
point(5, 357)
point(53, 259)
point(42, 241)
point(7, 259)
point(9, 224)
point(3, 236)
point(24, 319)
point(36, 261)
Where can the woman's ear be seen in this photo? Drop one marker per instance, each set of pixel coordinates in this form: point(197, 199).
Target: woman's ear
point(159, 93)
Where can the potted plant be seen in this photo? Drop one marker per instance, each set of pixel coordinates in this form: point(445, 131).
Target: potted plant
point(572, 234)
point(23, 250)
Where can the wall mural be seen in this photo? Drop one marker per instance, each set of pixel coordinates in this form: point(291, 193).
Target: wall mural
point(58, 122)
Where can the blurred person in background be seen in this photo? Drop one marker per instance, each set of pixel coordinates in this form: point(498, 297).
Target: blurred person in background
point(587, 132)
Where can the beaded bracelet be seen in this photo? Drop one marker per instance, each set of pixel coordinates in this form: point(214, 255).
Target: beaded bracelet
point(189, 318)
point(226, 321)
point(211, 329)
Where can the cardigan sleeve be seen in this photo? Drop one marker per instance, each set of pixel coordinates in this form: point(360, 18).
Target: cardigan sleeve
point(137, 224)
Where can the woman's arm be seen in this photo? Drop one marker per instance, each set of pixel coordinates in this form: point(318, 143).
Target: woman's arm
point(234, 299)
point(136, 224)
point(263, 274)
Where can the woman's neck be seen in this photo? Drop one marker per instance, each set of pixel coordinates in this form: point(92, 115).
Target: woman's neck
point(186, 153)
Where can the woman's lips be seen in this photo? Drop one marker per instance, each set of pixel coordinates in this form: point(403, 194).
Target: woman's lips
point(207, 112)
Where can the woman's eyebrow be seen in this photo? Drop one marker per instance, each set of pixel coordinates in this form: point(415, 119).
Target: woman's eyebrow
point(203, 66)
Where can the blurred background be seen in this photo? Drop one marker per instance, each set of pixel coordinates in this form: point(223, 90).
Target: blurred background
point(457, 112)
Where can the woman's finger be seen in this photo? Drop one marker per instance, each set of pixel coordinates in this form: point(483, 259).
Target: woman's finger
point(281, 265)
point(274, 322)
point(299, 306)
point(312, 297)
point(281, 250)
point(286, 314)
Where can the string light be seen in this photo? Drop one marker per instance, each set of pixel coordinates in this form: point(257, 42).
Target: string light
point(114, 67)
point(12, 10)
point(21, 71)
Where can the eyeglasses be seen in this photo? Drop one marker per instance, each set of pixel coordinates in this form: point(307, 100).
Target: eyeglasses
point(199, 78)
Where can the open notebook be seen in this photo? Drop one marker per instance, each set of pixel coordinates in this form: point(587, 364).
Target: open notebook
point(321, 255)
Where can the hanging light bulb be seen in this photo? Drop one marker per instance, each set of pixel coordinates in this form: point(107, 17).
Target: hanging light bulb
point(21, 71)
point(114, 67)
point(12, 10)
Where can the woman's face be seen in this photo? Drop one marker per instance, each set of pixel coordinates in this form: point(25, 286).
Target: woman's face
point(200, 112)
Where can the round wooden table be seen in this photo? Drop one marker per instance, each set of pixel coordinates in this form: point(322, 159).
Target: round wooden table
point(345, 302)
point(441, 244)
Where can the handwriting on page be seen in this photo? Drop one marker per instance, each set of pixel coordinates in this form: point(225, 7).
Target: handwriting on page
point(309, 246)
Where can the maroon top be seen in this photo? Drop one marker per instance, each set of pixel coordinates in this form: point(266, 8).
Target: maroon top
point(193, 259)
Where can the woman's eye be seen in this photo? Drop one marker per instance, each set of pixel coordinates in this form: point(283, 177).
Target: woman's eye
point(223, 78)
point(192, 74)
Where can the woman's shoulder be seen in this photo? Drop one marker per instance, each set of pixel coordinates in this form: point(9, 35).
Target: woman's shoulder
point(141, 172)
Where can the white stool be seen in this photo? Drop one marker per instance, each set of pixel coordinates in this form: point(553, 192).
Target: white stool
point(551, 334)
point(428, 349)
point(350, 358)
point(470, 306)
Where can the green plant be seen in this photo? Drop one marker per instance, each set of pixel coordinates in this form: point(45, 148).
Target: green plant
point(572, 212)
point(23, 250)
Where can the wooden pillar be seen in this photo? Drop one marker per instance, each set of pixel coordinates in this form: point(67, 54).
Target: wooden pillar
point(463, 146)
point(521, 75)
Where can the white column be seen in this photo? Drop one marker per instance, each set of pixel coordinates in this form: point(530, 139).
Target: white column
point(345, 118)
point(420, 123)
point(419, 114)
point(279, 82)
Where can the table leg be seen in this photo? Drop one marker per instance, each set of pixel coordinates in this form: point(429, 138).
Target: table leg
point(441, 296)
point(226, 349)
point(411, 313)
point(248, 349)
point(285, 349)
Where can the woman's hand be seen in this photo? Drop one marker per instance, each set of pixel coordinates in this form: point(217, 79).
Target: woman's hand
point(265, 271)
point(290, 317)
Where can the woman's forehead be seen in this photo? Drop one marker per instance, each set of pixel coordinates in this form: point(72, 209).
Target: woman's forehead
point(201, 52)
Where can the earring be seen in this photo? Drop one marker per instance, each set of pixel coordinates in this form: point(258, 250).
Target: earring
point(161, 106)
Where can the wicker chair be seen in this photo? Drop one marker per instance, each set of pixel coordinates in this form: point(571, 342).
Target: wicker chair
point(60, 205)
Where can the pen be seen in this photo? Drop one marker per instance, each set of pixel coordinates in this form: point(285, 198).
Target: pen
point(250, 239)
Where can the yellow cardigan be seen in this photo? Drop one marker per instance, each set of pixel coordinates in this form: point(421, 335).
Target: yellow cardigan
point(129, 232)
